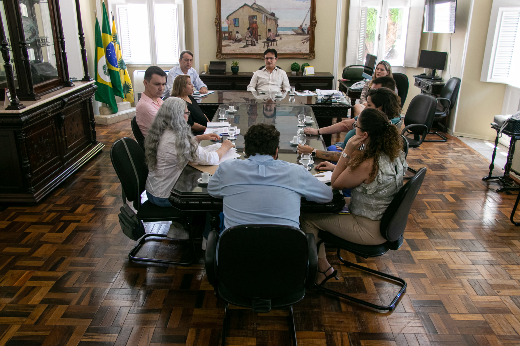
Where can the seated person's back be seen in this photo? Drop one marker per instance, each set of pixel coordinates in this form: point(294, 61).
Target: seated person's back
point(261, 189)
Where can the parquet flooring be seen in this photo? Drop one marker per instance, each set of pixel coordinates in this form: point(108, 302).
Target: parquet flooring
point(65, 279)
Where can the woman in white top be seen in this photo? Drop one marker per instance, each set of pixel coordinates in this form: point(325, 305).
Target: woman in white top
point(170, 145)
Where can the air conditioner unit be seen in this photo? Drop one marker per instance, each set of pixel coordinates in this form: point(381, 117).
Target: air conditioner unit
point(138, 79)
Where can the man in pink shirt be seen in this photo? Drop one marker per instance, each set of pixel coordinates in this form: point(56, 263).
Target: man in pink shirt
point(150, 102)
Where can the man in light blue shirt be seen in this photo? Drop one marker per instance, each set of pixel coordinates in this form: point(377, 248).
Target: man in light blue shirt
point(185, 62)
point(262, 189)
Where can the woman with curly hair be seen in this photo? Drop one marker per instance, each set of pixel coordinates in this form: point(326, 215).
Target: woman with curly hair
point(169, 146)
point(374, 174)
point(382, 99)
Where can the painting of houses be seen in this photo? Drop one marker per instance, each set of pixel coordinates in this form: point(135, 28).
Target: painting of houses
point(247, 29)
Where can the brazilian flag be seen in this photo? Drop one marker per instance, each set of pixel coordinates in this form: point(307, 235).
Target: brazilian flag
point(123, 72)
point(104, 92)
point(111, 56)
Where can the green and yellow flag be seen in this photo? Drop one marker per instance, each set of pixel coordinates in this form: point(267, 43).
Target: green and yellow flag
point(111, 57)
point(104, 92)
point(123, 72)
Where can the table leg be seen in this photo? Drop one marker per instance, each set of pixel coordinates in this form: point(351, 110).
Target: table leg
point(492, 165)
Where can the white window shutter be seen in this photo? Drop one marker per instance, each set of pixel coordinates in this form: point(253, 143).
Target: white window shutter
point(500, 63)
point(362, 35)
point(413, 37)
point(124, 33)
point(166, 33)
point(505, 44)
point(353, 32)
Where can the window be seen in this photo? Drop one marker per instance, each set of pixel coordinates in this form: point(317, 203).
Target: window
point(388, 29)
point(503, 47)
point(151, 31)
point(235, 22)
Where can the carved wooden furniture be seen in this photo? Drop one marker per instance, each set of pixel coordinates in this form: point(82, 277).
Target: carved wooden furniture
point(50, 133)
point(240, 81)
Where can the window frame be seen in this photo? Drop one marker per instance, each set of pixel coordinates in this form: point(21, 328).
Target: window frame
point(414, 27)
point(499, 9)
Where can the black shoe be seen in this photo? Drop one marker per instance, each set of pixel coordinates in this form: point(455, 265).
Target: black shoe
point(327, 278)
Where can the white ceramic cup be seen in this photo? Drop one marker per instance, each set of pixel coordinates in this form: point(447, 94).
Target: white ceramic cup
point(231, 108)
point(295, 139)
point(308, 118)
point(279, 94)
point(205, 177)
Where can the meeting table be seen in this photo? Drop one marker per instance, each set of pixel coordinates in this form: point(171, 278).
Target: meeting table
point(190, 196)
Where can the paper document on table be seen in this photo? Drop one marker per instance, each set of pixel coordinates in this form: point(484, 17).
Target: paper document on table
point(230, 155)
point(202, 95)
point(217, 124)
point(328, 92)
point(219, 130)
point(325, 176)
point(305, 93)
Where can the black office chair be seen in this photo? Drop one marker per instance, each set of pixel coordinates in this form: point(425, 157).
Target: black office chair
point(124, 159)
point(261, 67)
point(261, 267)
point(445, 103)
point(392, 228)
point(353, 74)
point(405, 146)
point(402, 85)
point(419, 119)
point(137, 133)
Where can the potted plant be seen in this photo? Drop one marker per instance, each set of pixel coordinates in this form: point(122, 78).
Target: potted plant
point(234, 67)
point(295, 67)
point(304, 65)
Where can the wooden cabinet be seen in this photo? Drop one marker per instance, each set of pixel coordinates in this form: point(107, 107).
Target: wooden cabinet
point(52, 133)
point(240, 81)
point(46, 142)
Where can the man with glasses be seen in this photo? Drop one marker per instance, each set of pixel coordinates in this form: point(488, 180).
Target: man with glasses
point(185, 61)
point(270, 78)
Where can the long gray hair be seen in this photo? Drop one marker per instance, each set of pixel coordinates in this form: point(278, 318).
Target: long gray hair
point(170, 116)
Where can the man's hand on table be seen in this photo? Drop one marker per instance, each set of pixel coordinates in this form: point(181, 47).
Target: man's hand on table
point(310, 131)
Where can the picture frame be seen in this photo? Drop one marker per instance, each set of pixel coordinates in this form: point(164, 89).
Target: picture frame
point(246, 30)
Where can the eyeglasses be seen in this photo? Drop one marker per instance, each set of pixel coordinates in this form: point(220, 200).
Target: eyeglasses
point(356, 125)
point(270, 58)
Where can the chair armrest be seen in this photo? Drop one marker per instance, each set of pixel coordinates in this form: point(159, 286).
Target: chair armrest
point(416, 125)
point(210, 259)
point(313, 261)
point(440, 100)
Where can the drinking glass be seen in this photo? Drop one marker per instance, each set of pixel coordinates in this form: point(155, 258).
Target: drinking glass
point(222, 113)
point(300, 131)
point(293, 89)
point(302, 139)
point(306, 160)
point(231, 132)
point(301, 119)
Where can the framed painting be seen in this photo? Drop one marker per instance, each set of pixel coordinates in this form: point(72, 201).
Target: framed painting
point(247, 29)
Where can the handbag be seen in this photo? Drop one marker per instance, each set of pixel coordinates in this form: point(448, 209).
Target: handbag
point(131, 226)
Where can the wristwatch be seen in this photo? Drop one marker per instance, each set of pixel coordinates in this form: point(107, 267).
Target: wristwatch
point(313, 153)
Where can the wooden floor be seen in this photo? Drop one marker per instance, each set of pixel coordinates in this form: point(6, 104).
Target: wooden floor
point(65, 278)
